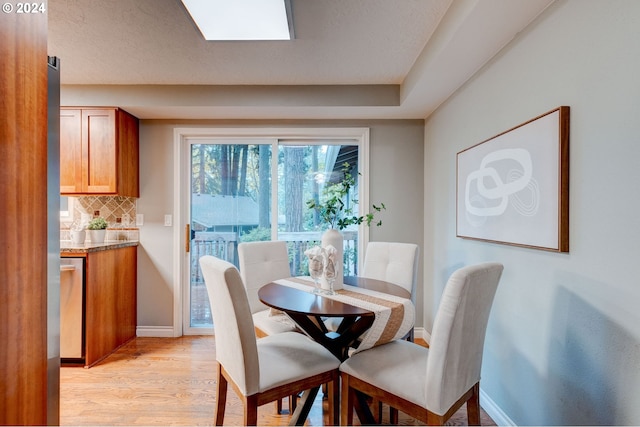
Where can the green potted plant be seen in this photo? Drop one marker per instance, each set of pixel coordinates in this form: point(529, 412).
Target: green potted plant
point(333, 209)
point(97, 229)
point(337, 214)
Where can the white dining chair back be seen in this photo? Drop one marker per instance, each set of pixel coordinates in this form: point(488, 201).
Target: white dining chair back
point(458, 334)
point(259, 264)
point(393, 262)
point(236, 348)
point(449, 369)
point(264, 370)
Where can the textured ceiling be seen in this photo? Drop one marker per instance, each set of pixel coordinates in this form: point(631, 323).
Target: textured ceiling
point(156, 42)
point(411, 45)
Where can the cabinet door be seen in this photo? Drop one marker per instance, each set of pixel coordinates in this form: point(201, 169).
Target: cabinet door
point(110, 301)
point(99, 151)
point(70, 151)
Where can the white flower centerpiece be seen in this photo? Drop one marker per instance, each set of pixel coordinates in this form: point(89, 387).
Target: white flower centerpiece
point(337, 214)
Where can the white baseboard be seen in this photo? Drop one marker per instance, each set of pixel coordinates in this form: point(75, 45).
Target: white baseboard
point(155, 331)
point(494, 411)
point(421, 332)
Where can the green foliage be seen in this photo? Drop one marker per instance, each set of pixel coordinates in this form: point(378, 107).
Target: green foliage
point(258, 234)
point(335, 212)
point(97, 223)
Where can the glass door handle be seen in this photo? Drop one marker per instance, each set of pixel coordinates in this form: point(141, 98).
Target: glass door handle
point(187, 239)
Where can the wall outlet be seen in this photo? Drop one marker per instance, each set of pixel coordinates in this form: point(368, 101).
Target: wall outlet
point(168, 221)
point(126, 219)
point(139, 219)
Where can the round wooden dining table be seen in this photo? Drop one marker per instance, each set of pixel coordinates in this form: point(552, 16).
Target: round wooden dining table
point(307, 310)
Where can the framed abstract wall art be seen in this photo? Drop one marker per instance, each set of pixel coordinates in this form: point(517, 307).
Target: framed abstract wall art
point(514, 188)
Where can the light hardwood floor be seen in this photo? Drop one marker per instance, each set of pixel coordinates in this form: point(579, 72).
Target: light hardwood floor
point(166, 381)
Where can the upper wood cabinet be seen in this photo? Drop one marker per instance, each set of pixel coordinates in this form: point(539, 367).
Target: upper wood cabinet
point(98, 152)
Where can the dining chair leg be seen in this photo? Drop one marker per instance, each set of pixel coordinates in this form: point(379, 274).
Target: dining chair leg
point(473, 406)
point(347, 398)
point(333, 402)
point(251, 410)
point(293, 403)
point(221, 397)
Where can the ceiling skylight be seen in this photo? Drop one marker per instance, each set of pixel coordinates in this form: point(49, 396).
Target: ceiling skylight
point(242, 19)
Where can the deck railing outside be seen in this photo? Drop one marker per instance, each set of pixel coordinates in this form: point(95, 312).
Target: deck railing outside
point(224, 245)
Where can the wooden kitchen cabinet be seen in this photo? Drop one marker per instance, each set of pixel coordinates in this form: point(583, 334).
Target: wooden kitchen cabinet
point(99, 152)
point(110, 293)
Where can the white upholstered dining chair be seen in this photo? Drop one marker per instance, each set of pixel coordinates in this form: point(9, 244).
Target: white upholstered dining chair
point(259, 264)
point(431, 384)
point(392, 262)
point(266, 369)
point(397, 263)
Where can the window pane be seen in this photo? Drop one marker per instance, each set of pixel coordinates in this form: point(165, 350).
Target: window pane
point(230, 202)
point(304, 171)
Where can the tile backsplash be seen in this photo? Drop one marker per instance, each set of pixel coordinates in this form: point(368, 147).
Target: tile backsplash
point(119, 212)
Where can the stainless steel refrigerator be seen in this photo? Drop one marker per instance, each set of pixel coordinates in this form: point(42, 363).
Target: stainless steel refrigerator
point(53, 242)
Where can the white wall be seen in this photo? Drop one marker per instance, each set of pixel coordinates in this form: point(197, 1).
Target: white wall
point(563, 342)
point(396, 153)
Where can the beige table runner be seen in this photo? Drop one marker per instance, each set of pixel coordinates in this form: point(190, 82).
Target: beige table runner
point(394, 316)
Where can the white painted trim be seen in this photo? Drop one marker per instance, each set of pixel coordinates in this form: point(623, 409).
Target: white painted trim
point(155, 331)
point(274, 187)
point(420, 332)
point(363, 194)
point(494, 411)
point(282, 133)
point(178, 230)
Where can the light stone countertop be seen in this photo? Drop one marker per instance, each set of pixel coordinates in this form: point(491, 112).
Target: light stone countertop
point(66, 246)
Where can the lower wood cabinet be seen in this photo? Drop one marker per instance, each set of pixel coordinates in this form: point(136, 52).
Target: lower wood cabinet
point(110, 300)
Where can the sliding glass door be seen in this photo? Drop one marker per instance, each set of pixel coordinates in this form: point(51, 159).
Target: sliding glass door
point(230, 193)
point(243, 190)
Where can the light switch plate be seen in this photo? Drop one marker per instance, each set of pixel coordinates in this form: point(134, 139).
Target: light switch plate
point(168, 221)
point(139, 219)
